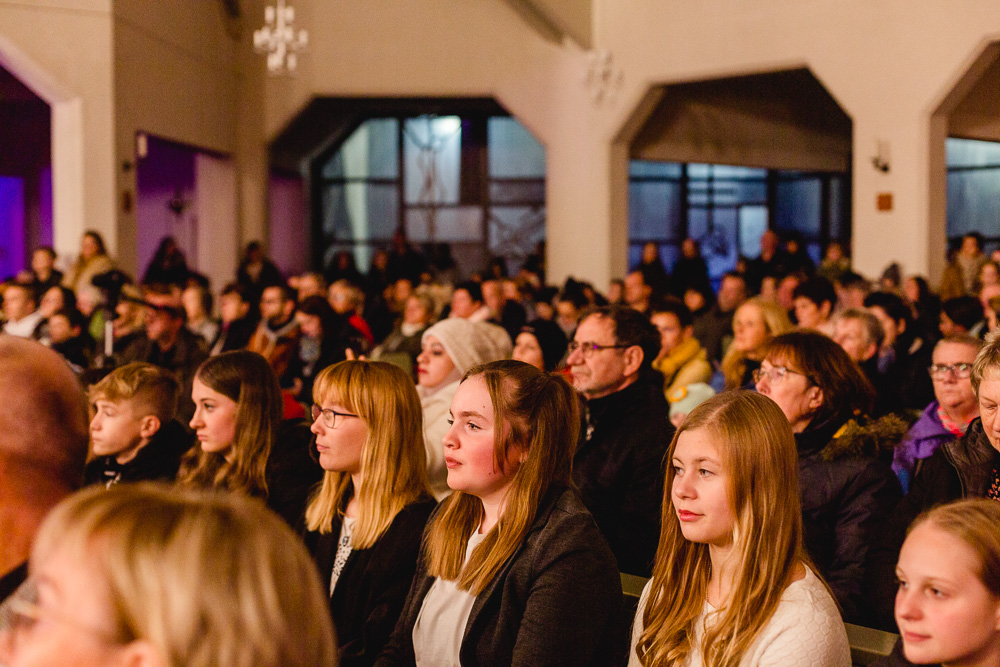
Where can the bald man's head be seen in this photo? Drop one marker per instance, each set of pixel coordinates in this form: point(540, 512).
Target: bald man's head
point(43, 415)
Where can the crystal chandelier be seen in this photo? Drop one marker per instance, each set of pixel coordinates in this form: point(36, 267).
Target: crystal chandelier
point(278, 39)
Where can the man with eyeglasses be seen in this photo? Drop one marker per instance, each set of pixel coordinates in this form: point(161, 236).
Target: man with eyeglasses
point(618, 466)
point(948, 416)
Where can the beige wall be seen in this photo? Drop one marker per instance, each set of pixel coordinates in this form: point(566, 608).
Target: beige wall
point(173, 70)
point(62, 50)
point(888, 64)
point(176, 77)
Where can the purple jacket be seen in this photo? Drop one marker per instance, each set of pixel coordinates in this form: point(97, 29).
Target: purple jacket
point(922, 440)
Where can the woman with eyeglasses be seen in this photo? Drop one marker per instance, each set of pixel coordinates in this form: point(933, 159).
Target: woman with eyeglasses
point(366, 520)
point(847, 491)
point(148, 576)
point(513, 569)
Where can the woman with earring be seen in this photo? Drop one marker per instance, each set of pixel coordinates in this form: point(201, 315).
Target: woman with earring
point(513, 569)
point(366, 520)
point(731, 585)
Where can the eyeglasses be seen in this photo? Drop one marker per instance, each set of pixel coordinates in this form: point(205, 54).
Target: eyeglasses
point(961, 371)
point(329, 416)
point(21, 612)
point(588, 348)
point(774, 374)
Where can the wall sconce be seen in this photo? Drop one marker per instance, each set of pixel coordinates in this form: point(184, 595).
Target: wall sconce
point(881, 160)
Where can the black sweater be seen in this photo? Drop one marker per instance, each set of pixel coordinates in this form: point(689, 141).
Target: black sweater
point(372, 587)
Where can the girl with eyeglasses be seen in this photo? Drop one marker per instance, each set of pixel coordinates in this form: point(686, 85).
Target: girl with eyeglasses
point(366, 520)
point(847, 490)
point(732, 585)
point(513, 569)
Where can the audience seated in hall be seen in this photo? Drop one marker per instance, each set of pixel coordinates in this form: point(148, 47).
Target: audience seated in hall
point(366, 522)
point(231, 585)
point(513, 570)
point(133, 434)
point(847, 491)
point(43, 446)
point(618, 465)
point(732, 584)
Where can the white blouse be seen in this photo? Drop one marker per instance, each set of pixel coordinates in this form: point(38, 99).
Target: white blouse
point(806, 629)
point(440, 626)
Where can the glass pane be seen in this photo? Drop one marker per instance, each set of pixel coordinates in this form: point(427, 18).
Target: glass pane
point(719, 246)
point(972, 198)
point(432, 159)
point(970, 153)
point(514, 231)
point(753, 224)
point(359, 212)
point(514, 152)
point(464, 223)
point(722, 171)
point(517, 192)
point(654, 211)
point(645, 169)
point(370, 152)
point(798, 206)
point(838, 226)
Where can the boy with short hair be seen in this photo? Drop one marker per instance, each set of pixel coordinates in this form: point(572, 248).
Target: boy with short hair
point(133, 433)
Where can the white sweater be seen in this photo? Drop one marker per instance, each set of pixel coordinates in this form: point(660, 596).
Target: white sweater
point(806, 629)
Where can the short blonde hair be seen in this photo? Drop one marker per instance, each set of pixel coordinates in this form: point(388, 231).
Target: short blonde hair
point(151, 389)
point(207, 578)
point(987, 360)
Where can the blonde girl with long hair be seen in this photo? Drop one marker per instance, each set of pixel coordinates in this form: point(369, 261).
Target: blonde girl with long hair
point(147, 575)
point(514, 570)
point(237, 414)
point(755, 322)
point(731, 584)
point(366, 520)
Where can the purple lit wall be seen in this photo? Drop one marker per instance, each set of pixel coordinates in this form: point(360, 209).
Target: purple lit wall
point(289, 231)
point(165, 174)
point(12, 223)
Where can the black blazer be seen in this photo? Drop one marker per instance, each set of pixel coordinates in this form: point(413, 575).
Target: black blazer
point(557, 601)
point(372, 586)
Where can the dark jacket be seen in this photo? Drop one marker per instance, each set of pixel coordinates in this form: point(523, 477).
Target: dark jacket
point(848, 495)
point(234, 336)
point(962, 468)
point(373, 584)
point(157, 461)
point(291, 471)
point(557, 601)
point(618, 469)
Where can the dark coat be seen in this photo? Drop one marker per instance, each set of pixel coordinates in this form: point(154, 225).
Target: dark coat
point(557, 601)
point(618, 469)
point(157, 461)
point(235, 336)
point(847, 496)
point(373, 585)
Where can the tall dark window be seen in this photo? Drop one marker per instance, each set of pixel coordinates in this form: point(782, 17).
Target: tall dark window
point(476, 183)
point(973, 188)
point(727, 209)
